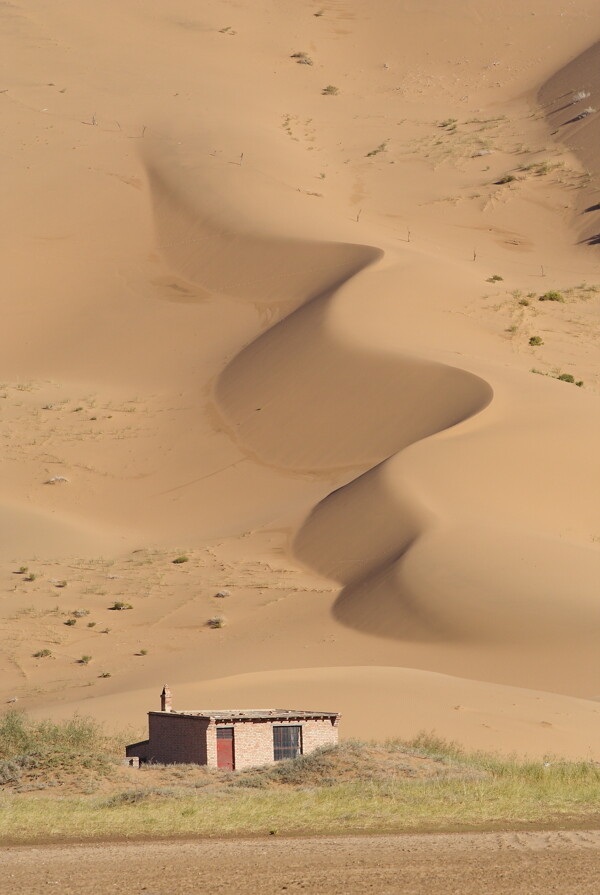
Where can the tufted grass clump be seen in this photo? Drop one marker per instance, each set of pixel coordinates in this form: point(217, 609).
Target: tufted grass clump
point(552, 296)
point(534, 341)
point(330, 90)
point(568, 377)
point(381, 148)
point(302, 58)
point(217, 621)
point(562, 377)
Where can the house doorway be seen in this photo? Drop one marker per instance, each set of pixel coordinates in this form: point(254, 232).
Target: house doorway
point(225, 756)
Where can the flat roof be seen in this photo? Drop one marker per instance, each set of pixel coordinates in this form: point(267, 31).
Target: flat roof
point(252, 714)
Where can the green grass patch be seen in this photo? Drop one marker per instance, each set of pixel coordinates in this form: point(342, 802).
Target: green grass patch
point(348, 807)
point(37, 754)
point(423, 784)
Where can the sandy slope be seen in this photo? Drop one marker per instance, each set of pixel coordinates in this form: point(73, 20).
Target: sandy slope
point(260, 325)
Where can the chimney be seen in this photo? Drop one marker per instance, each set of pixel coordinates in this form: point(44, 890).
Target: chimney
point(165, 700)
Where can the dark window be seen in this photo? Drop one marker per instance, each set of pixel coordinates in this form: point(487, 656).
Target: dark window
point(287, 742)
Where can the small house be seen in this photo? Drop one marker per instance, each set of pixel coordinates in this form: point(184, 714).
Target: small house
point(231, 739)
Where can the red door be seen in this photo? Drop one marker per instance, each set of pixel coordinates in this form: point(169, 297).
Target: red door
point(225, 748)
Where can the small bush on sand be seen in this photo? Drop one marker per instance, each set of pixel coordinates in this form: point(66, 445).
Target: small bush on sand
point(119, 606)
point(85, 660)
point(218, 621)
point(42, 654)
point(381, 148)
point(536, 340)
point(302, 58)
point(579, 96)
point(180, 559)
point(552, 296)
point(330, 90)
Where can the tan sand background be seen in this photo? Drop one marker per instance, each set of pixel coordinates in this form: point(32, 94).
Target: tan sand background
point(285, 333)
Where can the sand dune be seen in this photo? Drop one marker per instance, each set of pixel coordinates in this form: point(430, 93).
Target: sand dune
point(382, 702)
point(569, 100)
point(285, 330)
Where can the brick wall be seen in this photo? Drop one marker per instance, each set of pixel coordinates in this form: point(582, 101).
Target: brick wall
point(253, 740)
point(138, 750)
point(177, 739)
point(189, 739)
point(318, 733)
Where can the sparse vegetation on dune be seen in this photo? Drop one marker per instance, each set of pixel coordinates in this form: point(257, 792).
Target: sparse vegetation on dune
point(37, 754)
point(552, 296)
point(302, 58)
point(424, 783)
point(562, 377)
point(217, 621)
point(381, 148)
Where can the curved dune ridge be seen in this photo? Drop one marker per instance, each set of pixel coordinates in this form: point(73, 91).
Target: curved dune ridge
point(303, 397)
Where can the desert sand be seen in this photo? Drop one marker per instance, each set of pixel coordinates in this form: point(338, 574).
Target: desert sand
point(474, 864)
point(272, 282)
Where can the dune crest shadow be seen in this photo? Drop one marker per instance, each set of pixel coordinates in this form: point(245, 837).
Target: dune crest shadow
point(301, 398)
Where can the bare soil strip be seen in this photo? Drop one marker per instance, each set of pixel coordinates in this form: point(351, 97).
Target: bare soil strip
point(527, 863)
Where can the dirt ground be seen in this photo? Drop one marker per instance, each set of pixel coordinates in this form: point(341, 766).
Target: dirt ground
point(531, 863)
